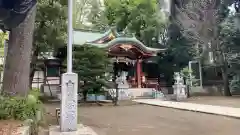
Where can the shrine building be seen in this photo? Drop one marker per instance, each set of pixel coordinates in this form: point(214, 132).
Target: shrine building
point(131, 58)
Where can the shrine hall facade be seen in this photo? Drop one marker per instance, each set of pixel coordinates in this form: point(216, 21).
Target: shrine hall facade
point(127, 54)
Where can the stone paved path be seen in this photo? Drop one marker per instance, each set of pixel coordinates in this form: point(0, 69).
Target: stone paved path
point(211, 109)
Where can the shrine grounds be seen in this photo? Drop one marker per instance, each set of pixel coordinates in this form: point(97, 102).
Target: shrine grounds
point(136, 119)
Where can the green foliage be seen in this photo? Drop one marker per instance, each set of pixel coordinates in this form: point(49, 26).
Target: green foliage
point(50, 25)
point(186, 72)
point(35, 92)
point(19, 108)
point(88, 14)
point(96, 16)
point(140, 17)
point(91, 64)
point(177, 56)
point(230, 40)
point(3, 37)
point(78, 13)
point(50, 31)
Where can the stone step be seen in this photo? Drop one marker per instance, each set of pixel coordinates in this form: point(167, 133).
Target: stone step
point(142, 97)
point(137, 93)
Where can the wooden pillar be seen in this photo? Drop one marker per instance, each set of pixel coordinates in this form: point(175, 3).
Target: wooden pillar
point(139, 70)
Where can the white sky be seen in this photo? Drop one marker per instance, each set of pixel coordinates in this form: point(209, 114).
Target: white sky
point(232, 9)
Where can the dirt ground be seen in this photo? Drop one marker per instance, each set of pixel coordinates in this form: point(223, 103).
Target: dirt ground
point(215, 100)
point(9, 127)
point(137, 119)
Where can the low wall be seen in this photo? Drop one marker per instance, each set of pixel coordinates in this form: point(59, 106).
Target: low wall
point(206, 91)
point(131, 93)
point(92, 97)
point(199, 91)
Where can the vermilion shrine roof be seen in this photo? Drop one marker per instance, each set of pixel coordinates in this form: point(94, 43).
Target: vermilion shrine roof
point(110, 39)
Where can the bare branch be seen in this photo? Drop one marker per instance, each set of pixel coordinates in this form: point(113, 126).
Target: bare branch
point(197, 20)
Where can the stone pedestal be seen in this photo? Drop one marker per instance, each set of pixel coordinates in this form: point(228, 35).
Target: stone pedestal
point(81, 130)
point(68, 120)
point(180, 91)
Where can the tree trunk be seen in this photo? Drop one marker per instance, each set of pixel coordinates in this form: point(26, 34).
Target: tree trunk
point(17, 69)
point(227, 91)
point(85, 95)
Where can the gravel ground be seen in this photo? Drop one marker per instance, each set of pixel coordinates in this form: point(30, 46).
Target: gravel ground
point(150, 120)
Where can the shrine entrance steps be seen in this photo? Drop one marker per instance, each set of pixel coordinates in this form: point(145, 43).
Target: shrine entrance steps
point(133, 93)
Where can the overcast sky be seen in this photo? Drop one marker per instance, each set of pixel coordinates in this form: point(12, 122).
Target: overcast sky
point(232, 9)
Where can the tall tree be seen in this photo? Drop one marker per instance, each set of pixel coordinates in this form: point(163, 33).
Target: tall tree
point(17, 68)
point(50, 29)
point(230, 40)
point(140, 17)
point(179, 52)
point(200, 21)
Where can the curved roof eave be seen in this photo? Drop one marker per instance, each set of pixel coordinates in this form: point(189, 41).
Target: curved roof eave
point(135, 42)
point(156, 49)
point(97, 45)
point(82, 37)
point(105, 34)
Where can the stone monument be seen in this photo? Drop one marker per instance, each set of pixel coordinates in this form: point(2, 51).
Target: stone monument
point(123, 86)
point(179, 88)
point(68, 120)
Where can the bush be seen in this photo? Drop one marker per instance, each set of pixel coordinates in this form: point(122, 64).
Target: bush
point(20, 108)
point(35, 92)
point(91, 64)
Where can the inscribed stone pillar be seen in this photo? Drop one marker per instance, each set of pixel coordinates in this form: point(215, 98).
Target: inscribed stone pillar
point(69, 102)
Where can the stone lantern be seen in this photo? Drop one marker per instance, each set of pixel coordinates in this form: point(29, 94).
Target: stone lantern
point(180, 91)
